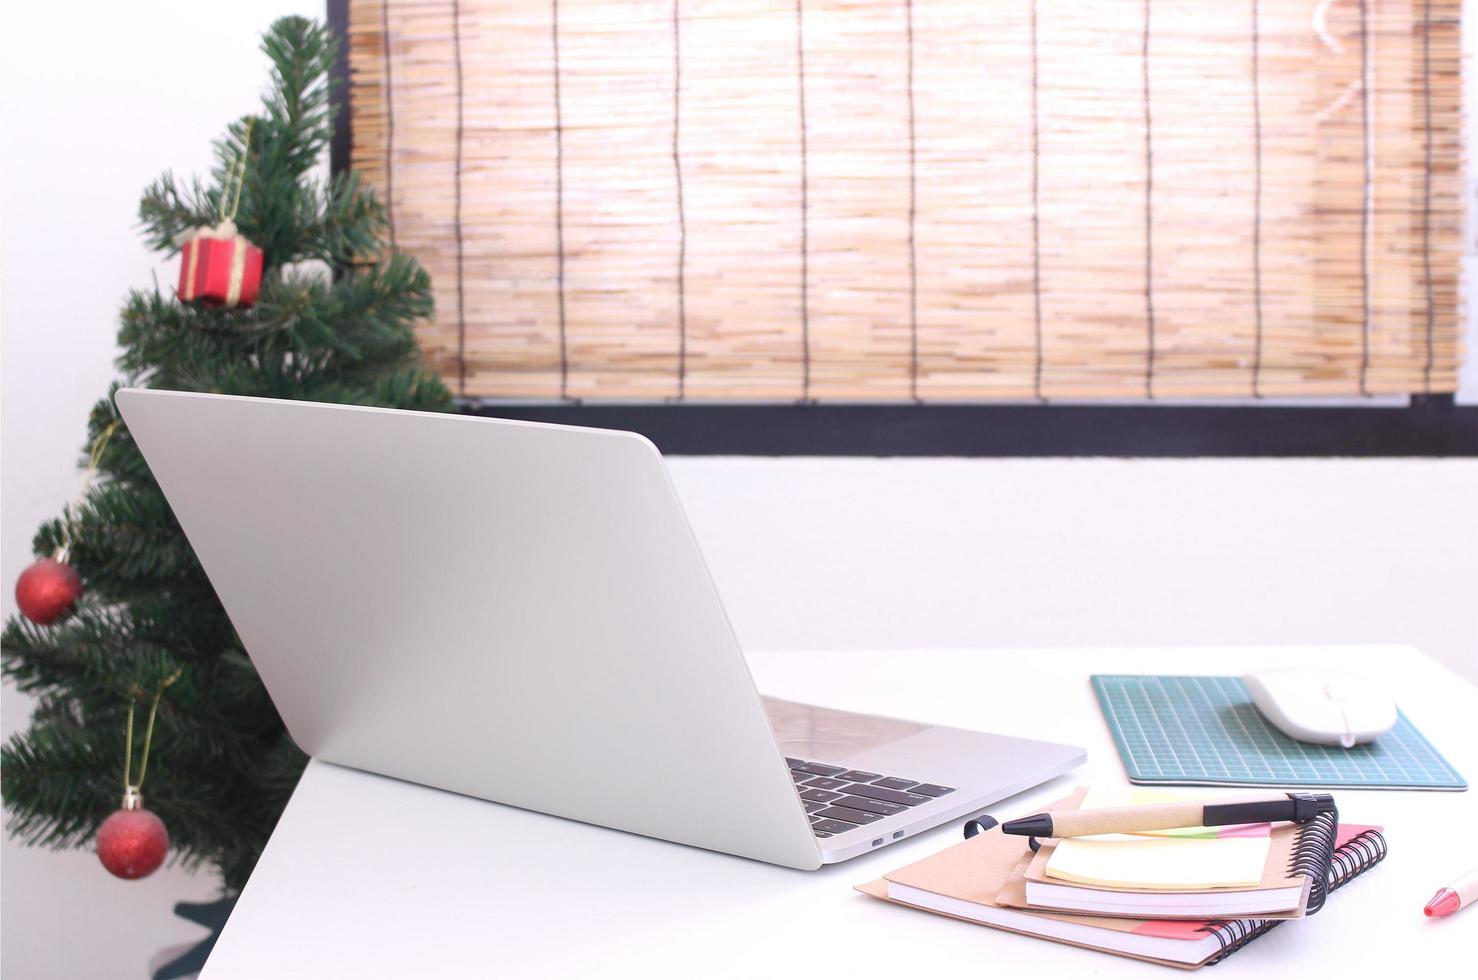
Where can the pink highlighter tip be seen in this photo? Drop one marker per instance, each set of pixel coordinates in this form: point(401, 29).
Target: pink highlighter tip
point(1445, 902)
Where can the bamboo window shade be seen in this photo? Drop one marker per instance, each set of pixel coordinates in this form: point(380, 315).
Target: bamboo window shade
point(921, 200)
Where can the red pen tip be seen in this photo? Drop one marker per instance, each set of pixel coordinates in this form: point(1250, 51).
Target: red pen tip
point(1445, 902)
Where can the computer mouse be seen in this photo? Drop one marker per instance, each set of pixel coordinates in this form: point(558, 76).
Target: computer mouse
point(1327, 707)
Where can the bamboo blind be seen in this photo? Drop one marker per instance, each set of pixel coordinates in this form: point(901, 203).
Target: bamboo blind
point(930, 200)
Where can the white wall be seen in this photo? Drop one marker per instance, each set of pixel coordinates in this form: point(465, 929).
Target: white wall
point(1036, 553)
point(99, 97)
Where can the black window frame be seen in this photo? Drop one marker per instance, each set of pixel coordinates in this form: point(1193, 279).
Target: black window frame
point(1428, 425)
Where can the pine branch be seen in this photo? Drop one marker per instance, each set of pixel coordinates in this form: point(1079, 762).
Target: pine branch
point(123, 540)
point(167, 209)
point(341, 223)
point(298, 109)
point(81, 657)
point(60, 783)
point(358, 320)
point(167, 344)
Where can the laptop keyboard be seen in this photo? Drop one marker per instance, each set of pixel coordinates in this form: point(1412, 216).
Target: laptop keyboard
point(839, 799)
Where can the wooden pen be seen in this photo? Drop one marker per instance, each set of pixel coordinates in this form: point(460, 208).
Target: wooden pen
point(1297, 807)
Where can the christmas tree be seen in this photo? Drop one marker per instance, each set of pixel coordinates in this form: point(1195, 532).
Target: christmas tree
point(331, 322)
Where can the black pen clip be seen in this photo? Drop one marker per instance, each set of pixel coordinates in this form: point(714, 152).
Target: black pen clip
point(979, 824)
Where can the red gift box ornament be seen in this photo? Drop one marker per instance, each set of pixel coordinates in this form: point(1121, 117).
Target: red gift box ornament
point(219, 266)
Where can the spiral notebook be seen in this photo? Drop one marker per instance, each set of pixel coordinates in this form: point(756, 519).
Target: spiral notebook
point(966, 881)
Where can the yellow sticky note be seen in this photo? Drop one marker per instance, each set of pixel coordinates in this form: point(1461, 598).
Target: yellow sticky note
point(1161, 863)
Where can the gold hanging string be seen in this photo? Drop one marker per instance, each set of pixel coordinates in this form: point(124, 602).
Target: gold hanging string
point(129, 785)
point(237, 175)
point(94, 458)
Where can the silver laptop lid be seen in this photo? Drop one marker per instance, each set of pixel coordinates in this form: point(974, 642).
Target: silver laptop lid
point(509, 610)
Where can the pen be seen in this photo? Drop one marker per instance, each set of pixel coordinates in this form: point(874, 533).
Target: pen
point(1297, 807)
point(1459, 894)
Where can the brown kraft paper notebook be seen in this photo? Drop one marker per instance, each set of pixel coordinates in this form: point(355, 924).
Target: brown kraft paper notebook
point(963, 882)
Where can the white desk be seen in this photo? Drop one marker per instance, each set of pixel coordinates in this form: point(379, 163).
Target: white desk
point(369, 877)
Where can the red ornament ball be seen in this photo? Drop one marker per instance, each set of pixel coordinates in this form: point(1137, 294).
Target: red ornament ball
point(132, 843)
point(46, 590)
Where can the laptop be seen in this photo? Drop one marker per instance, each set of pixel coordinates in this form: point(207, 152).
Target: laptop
point(520, 612)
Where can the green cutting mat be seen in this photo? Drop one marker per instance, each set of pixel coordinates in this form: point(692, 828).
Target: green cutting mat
point(1206, 731)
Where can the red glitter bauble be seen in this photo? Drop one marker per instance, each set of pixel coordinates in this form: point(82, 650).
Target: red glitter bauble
point(132, 843)
point(46, 590)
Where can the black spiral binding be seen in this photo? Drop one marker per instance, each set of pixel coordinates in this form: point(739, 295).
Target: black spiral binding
point(1358, 855)
point(1313, 855)
point(1233, 934)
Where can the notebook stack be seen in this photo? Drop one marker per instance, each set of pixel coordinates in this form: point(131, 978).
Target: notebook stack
point(1182, 898)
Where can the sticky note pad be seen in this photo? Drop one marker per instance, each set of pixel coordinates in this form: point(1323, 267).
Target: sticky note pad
point(1161, 863)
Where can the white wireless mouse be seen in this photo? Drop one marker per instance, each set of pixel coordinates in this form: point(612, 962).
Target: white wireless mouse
point(1324, 706)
